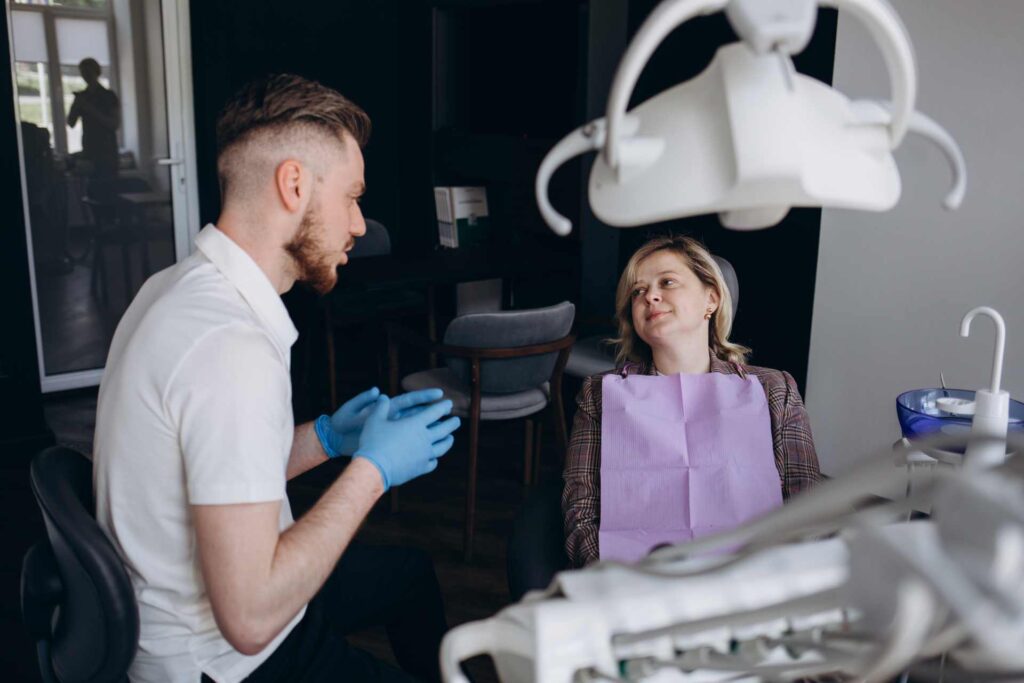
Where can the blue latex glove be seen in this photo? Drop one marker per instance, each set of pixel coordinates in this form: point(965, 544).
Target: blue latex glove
point(406, 447)
point(339, 433)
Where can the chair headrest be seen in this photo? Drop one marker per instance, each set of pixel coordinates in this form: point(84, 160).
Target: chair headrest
point(731, 281)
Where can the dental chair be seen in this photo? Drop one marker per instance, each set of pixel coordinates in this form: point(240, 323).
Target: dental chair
point(536, 544)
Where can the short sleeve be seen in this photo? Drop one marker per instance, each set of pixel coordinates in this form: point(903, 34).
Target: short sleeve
point(230, 398)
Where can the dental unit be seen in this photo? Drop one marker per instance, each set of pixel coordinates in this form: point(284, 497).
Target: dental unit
point(835, 582)
point(749, 138)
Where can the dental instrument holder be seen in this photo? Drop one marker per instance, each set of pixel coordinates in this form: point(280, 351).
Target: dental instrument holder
point(707, 136)
point(992, 406)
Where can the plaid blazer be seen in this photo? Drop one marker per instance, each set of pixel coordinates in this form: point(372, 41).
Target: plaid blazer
point(795, 457)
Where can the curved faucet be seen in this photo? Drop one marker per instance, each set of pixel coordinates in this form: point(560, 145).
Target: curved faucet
point(997, 357)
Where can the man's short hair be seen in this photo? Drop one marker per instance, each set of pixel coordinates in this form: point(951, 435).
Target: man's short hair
point(285, 105)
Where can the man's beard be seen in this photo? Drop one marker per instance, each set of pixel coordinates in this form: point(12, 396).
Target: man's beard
point(314, 266)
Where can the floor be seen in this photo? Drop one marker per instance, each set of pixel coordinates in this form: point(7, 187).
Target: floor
point(76, 323)
point(430, 517)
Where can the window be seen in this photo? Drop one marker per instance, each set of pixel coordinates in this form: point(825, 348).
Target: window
point(51, 37)
point(90, 4)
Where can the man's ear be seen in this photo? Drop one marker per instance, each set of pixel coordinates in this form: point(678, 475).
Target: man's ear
point(291, 184)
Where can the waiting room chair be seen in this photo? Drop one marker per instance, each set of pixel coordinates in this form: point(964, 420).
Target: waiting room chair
point(76, 598)
point(498, 366)
point(348, 306)
point(593, 354)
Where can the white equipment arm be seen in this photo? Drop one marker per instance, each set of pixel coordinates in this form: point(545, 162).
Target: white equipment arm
point(867, 603)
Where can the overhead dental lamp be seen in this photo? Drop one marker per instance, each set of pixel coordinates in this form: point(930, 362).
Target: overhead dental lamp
point(749, 138)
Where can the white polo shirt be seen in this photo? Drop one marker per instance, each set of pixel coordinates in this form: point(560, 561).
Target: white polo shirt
point(194, 409)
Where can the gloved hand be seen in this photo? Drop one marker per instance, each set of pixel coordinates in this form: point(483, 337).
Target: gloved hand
point(406, 447)
point(339, 433)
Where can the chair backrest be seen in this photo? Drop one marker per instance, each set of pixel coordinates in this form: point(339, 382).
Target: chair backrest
point(376, 241)
point(508, 329)
point(96, 632)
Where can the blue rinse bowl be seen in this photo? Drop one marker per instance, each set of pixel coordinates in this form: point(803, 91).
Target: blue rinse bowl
point(920, 415)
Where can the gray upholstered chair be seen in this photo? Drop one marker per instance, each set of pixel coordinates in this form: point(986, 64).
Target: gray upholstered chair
point(594, 354)
point(498, 366)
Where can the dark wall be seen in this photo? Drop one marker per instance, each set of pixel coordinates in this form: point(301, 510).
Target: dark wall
point(375, 53)
point(22, 426)
point(776, 266)
point(365, 50)
point(23, 429)
point(380, 54)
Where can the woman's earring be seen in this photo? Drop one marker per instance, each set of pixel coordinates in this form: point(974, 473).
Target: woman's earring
point(707, 314)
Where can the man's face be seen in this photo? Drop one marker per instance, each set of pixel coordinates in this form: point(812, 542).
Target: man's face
point(332, 221)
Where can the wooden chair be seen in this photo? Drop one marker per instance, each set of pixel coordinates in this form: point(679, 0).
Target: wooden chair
point(498, 366)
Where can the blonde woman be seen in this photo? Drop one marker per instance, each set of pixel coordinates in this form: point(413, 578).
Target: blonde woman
point(683, 439)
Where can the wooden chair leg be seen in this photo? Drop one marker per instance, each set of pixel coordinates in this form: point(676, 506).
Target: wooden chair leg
point(471, 473)
point(126, 265)
point(392, 391)
point(538, 435)
point(431, 324)
point(528, 476)
point(561, 433)
point(332, 370)
point(95, 279)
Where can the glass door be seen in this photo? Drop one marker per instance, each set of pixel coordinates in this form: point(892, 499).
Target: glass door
point(104, 110)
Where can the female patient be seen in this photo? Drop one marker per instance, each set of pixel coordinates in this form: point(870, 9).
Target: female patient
point(683, 440)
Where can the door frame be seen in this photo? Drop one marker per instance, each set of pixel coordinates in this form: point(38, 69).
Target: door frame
point(177, 48)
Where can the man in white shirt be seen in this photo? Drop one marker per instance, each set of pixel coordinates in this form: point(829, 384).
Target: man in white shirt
point(195, 437)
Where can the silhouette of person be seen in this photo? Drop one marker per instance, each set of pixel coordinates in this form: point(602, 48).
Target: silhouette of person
point(100, 112)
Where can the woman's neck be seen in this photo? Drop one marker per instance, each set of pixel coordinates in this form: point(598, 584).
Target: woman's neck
point(692, 358)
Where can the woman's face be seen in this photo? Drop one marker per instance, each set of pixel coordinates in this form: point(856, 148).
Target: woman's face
point(669, 302)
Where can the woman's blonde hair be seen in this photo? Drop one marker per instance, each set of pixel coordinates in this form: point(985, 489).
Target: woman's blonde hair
point(699, 260)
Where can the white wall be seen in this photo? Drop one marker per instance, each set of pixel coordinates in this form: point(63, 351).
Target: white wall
point(156, 106)
point(892, 287)
point(127, 75)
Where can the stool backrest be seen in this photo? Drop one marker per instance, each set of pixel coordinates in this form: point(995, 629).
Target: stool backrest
point(96, 631)
point(376, 241)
